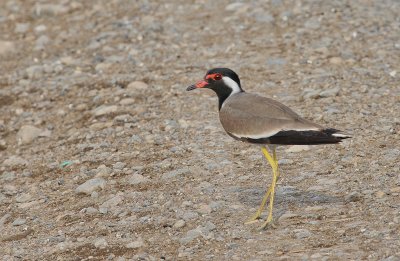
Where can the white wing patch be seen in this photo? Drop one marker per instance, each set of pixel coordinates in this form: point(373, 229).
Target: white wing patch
point(270, 133)
point(341, 135)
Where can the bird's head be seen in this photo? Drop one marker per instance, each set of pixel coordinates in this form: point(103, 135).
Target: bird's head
point(223, 81)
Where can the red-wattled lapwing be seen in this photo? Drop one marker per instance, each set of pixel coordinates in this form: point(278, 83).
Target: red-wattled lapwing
point(259, 120)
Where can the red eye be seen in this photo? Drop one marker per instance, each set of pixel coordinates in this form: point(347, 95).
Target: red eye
point(218, 77)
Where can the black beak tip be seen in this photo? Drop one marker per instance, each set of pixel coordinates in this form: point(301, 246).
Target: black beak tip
point(191, 87)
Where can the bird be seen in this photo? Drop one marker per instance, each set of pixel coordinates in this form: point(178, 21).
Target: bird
point(263, 121)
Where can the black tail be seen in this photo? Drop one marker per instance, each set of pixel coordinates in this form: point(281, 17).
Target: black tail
point(292, 137)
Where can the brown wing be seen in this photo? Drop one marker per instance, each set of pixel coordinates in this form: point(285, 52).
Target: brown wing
point(256, 117)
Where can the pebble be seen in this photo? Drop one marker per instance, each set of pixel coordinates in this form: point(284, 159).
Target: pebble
point(335, 60)
point(19, 222)
point(179, 224)
point(28, 133)
point(302, 233)
point(380, 194)
point(7, 47)
point(329, 92)
point(100, 243)
point(24, 197)
point(175, 173)
point(112, 202)
point(103, 110)
point(103, 171)
point(288, 215)
point(298, 148)
point(42, 9)
point(353, 197)
point(3, 144)
point(34, 72)
point(91, 185)
point(136, 85)
point(190, 215)
point(7, 176)
point(135, 179)
point(135, 244)
point(102, 67)
point(41, 42)
point(204, 209)
point(119, 165)
point(21, 28)
point(310, 93)
point(285, 162)
point(127, 101)
point(15, 161)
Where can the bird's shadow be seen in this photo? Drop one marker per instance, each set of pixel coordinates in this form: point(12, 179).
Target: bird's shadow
point(286, 195)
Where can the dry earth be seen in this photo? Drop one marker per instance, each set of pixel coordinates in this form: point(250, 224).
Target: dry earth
point(105, 156)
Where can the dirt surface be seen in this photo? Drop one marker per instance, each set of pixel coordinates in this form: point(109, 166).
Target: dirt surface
point(105, 156)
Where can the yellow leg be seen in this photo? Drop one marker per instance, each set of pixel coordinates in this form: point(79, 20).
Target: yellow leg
point(271, 190)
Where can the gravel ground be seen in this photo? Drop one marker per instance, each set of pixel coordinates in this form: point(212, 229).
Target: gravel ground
point(105, 156)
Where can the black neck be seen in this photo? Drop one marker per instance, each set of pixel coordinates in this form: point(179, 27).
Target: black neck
point(223, 94)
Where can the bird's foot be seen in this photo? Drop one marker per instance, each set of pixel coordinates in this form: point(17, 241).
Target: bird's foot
point(268, 223)
point(254, 218)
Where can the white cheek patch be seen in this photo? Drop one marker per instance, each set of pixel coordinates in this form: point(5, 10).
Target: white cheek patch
point(231, 84)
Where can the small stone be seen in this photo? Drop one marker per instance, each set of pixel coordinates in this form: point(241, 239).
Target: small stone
point(24, 197)
point(179, 224)
point(50, 9)
point(380, 194)
point(330, 92)
point(285, 161)
point(127, 101)
point(393, 73)
point(21, 28)
point(40, 28)
point(190, 215)
point(137, 85)
point(335, 60)
point(102, 67)
point(19, 222)
point(298, 148)
point(7, 176)
point(28, 133)
point(234, 6)
point(204, 209)
point(91, 185)
point(119, 165)
point(112, 202)
point(191, 235)
point(41, 42)
point(103, 110)
point(353, 197)
point(395, 189)
point(103, 210)
point(288, 215)
point(15, 161)
point(135, 244)
point(175, 173)
point(7, 48)
point(310, 93)
point(34, 71)
point(91, 210)
point(3, 145)
point(135, 179)
point(313, 23)
point(302, 233)
point(100, 243)
point(103, 171)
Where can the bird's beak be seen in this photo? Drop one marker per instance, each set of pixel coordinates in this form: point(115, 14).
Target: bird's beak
point(200, 84)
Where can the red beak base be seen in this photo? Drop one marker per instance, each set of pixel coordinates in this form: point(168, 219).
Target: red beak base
point(200, 84)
